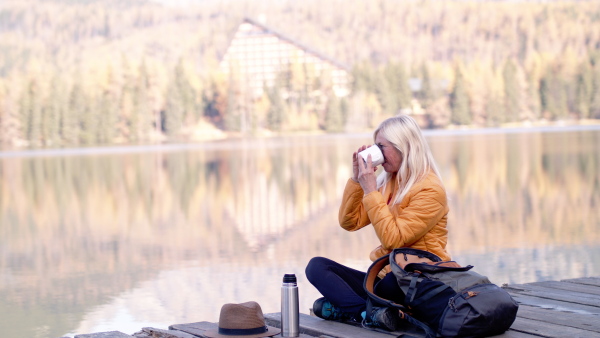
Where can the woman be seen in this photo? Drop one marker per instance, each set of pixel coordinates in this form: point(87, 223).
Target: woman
point(406, 206)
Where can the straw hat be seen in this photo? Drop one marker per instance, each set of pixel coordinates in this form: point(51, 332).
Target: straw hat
point(242, 320)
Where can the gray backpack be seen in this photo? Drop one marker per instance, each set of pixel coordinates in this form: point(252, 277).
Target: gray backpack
point(442, 297)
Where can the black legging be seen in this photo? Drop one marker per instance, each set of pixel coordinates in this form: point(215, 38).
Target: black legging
point(343, 286)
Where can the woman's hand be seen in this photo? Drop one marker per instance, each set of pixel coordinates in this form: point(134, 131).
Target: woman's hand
point(356, 159)
point(366, 175)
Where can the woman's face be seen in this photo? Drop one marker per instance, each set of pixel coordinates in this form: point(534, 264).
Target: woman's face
point(392, 156)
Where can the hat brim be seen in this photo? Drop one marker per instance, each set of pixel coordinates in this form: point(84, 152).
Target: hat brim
point(271, 331)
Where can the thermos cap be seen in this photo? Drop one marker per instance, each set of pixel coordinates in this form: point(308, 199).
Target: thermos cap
point(289, 278)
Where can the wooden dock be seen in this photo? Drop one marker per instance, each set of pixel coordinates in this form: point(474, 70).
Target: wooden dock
point(569, 308)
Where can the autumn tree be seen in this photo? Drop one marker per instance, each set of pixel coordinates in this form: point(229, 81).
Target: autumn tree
point(333, 115)
point(55, 106)
point(214, 101)
point(234, 114)
point(583, 96)
point(108, 100)
point(595, 103)
point(553, 93)
point(174, 111)
point(31, 112)
point(399, 89)
point(459, 99)
point(142, 106)
point(426, 94)
point(276, 111)
point(512, 91)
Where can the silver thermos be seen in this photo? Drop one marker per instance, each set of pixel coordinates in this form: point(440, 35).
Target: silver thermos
point(290, 315)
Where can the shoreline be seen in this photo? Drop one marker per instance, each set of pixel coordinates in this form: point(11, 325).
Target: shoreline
point(234, 141)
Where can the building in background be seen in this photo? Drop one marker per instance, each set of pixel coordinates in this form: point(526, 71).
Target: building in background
point(260, 57)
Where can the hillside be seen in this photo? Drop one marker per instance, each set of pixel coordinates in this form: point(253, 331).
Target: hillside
point(104, 72)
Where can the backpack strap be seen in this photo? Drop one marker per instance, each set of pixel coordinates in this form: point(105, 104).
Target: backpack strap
point(429, 333)
point(371, 277)
point(412, 287)
point(369, 287)
point(437, 267)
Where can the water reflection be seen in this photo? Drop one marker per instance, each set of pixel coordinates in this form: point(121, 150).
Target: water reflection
point(99, 241)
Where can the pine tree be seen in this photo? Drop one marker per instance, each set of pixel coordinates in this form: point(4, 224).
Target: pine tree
point(496, 115)
point(31, 112)
point(55, 105)
point(363, 75)
point(214, 102)
point(186, 93)
point(546, 98)
point(109, 109)
point(553, 94)
point(141, 101)
point(384, 89)
point(107, 105)
point(233, 116)
point(459, 99)
point(583, 95)
point(402, 89)
point(127, 122)
point(88, 120)
point(511, 91)
point(595, 104)
point(399, 93)
point(172, 116)
point(426, 94)
point(127, 118)
point(276, 110)
point(534, 103)
point(345, 108)
point(70, 122)
point(3, 116)
point(333, 115)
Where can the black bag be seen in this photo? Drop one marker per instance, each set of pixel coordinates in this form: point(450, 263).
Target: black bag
point(441, 297)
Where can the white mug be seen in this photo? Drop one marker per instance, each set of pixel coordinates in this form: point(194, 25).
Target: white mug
point(376, 155)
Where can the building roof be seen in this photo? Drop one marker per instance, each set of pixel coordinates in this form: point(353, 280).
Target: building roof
point(296, 43)
point(260, 52)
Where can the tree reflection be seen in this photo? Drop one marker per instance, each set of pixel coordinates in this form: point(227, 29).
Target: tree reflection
point(77, 230)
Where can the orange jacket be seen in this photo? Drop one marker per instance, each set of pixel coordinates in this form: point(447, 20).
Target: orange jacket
point(419, 221)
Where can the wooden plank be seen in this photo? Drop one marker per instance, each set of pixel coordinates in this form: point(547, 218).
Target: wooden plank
point(311, 326)
point(569, 308)
point(574, 287)
point(198, 329)
point(109, 334)
point(556, 294)
point(557, 305)
point(321, 328)
point(589, 322)
point(515, 334)
point(592, 281)
point(150, 332)
point(549, 330)
point(316, 327)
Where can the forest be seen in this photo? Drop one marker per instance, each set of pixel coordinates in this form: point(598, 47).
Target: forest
point(104, 72)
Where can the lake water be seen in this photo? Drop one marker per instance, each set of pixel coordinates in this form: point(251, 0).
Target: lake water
point(122, 238)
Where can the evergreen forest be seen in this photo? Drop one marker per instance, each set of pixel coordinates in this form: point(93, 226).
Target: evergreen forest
point(77, 73)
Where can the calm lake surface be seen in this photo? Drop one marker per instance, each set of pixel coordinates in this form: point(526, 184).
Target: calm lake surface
point(122, 238)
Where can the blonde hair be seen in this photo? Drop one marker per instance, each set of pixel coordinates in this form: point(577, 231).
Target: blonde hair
point(417, 161)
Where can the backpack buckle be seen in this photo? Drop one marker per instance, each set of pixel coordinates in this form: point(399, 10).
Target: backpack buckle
point(471, 294)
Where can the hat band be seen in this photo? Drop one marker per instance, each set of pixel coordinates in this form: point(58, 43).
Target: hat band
point(243, 332)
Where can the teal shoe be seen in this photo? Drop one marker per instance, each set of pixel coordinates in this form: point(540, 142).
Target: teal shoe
point(322, 308)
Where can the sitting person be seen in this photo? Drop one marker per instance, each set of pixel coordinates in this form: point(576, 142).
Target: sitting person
point(406, 206)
